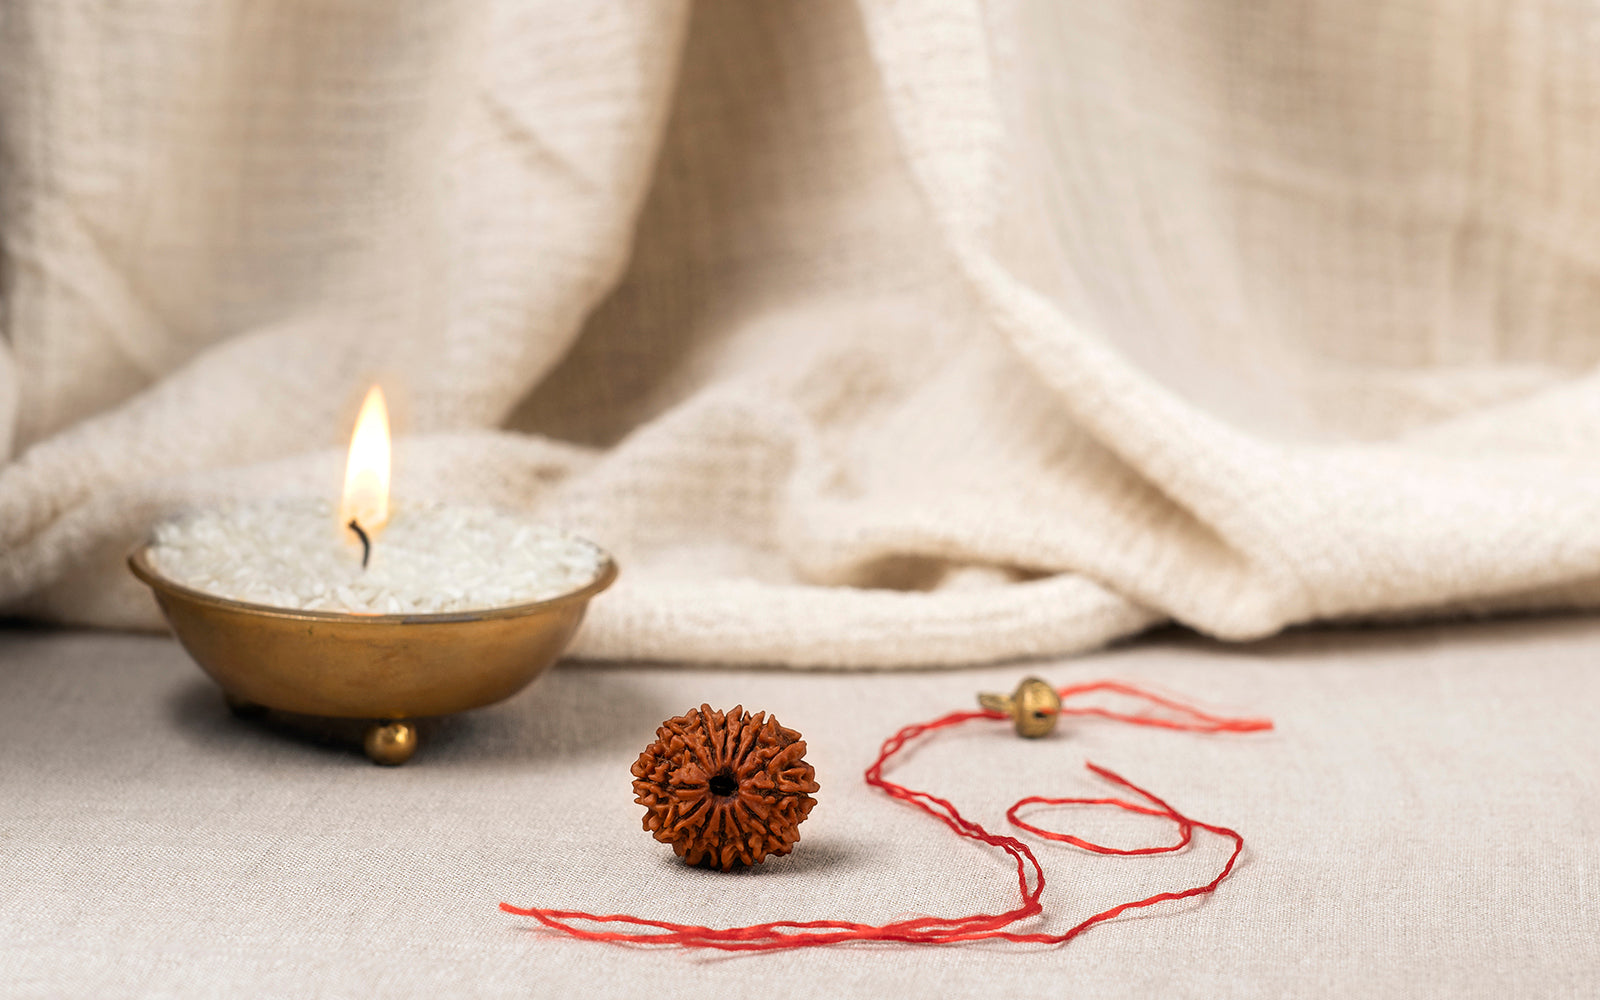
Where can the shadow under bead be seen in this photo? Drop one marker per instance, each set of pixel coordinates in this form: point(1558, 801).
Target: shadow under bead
point(725, 789)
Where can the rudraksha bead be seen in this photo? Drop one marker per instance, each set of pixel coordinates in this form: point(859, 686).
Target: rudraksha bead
point(725, 789)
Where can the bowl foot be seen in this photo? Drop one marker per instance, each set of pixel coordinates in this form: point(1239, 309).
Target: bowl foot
point(391, 743)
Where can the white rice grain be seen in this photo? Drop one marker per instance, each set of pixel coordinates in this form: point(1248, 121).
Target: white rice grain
point(430, 558)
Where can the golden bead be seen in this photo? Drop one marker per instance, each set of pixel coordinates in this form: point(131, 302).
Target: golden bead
point(1033, 707)
point(391, 743)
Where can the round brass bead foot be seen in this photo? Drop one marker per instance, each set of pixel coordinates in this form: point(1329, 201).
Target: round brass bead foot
point(391, 743)
point(243, 709)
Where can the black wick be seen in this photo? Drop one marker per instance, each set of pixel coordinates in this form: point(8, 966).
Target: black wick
point(366, 543)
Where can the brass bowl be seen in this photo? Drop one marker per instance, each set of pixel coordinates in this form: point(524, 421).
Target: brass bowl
point(387, 668)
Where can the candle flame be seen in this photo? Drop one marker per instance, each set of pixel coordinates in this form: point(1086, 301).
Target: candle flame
point(366, 474)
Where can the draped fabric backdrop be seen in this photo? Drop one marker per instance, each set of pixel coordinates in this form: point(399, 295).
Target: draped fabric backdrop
point(874, 334)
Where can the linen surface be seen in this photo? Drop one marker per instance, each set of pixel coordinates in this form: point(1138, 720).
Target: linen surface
point(1420, 824)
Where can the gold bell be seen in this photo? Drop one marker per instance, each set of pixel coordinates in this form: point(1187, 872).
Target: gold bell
point(1033, 707)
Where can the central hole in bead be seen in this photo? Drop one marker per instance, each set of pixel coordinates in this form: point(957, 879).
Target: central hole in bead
point(723, 784)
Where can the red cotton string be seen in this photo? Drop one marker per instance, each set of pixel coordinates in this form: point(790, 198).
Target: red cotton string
point(783, 934)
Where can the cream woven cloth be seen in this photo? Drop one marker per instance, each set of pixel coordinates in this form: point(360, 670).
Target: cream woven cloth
point(866, 335)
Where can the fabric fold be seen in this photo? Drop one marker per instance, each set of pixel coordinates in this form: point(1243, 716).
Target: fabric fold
point(865, 335)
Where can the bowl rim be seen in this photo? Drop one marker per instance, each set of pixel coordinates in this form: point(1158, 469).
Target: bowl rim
point(139, 562)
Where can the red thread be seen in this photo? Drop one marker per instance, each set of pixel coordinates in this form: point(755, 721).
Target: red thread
point(1185, 828)
point(979, 926)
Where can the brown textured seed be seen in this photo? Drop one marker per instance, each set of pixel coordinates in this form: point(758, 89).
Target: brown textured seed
point(725, 789)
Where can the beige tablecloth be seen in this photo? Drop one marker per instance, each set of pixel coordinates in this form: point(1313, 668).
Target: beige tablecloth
point(1424, 822)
